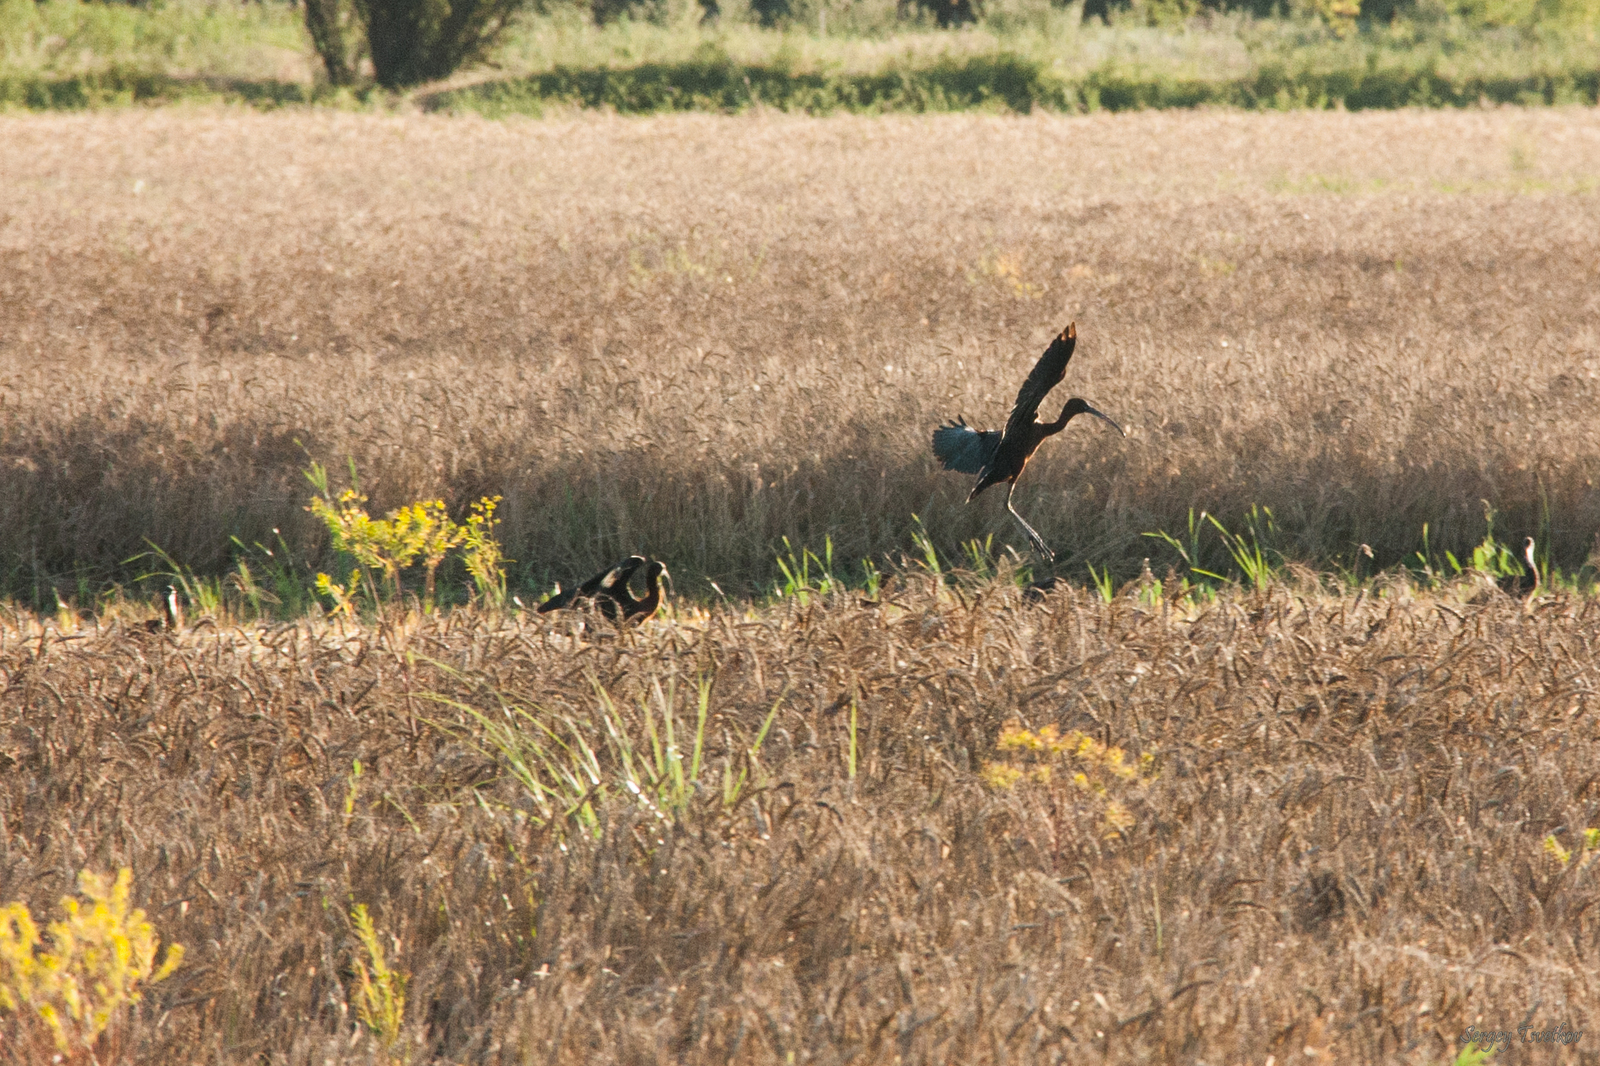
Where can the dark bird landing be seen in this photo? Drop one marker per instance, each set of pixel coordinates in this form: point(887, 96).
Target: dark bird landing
point(1002, 456)
point(608, 591)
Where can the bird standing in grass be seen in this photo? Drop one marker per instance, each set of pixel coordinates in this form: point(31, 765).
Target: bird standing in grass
point(608, 591)
point(1002, 456)
point(602, 585)
point(646, 605)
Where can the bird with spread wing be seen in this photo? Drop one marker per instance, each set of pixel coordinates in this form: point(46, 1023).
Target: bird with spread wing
point(996, 456)
point(608, 590)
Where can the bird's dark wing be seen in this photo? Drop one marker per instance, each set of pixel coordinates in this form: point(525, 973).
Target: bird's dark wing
point(1046, 375)
point(616, 578)
point(613, 596)
point(605, 583)
point(960, 447)
point(558, 599)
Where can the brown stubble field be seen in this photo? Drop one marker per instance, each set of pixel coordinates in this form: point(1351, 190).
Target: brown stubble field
point(1336, 851)
point(1335, 854)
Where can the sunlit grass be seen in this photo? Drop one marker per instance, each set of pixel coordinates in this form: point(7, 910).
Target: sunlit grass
point(177, 37)
point(1023, 54)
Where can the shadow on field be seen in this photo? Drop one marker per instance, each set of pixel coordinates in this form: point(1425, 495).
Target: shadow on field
point(120, 85)
point(79, 503)
point(715, 82)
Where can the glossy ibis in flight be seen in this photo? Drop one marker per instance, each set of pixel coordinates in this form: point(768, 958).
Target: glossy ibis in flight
point(1001, 456)
point(608, 591)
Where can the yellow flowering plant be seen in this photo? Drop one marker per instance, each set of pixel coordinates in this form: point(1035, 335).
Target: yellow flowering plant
point(380, 990)
point(69, 989)
point(420, 532)
point(1102, 773)
point(481, 551)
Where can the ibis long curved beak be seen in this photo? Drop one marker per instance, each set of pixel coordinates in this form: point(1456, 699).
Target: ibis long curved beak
point(1104, 418)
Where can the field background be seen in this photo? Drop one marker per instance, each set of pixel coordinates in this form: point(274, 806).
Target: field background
point(693, 336)
point(1340, 817)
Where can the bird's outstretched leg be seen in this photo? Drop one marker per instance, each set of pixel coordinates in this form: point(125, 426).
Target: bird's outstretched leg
point(1033, 535)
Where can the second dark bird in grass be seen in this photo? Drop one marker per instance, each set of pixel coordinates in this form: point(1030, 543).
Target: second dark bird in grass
point(997, 456)
point(608, 591)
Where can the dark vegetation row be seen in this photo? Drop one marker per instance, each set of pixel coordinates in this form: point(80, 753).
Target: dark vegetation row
point(1005, 82)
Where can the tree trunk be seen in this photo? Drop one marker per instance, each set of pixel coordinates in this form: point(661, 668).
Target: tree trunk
point(325, 21)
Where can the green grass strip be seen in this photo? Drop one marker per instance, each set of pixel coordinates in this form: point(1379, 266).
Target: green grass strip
point(999, 82)
point(122, 86)
point(1002, 82)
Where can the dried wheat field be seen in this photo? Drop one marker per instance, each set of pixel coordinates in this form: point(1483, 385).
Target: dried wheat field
point(1316, 819)
point(694, 336)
